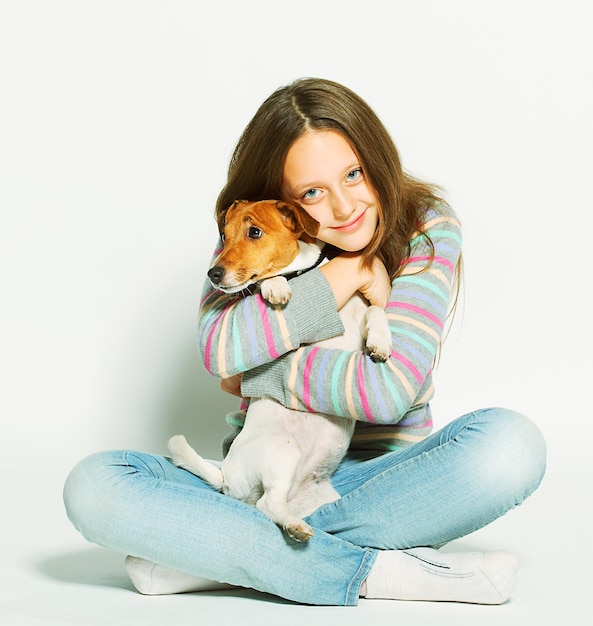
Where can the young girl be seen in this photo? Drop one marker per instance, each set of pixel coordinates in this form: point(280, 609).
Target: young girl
point(404, 492)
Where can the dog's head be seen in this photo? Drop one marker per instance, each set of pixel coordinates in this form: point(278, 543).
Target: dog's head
point(259, 240)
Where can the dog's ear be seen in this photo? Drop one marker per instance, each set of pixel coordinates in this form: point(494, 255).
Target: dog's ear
point(222, 218)
point(297, 219)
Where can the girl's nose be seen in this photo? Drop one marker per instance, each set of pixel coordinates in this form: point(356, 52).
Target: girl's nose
point(343, 205)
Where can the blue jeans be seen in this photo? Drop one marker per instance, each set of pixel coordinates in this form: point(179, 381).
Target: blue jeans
point(454, 482)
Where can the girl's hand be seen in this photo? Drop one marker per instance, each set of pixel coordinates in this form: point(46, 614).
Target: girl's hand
point(232, 385)
point(377, 286)
point(346, 276)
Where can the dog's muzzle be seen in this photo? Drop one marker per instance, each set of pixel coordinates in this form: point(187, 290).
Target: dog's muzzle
point(216, 275)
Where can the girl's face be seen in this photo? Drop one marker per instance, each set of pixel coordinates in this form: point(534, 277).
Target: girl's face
point(323, 174)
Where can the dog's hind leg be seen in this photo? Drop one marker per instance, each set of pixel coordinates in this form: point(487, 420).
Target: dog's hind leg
point(277, 479)
point(184, 456)
point(273, 504)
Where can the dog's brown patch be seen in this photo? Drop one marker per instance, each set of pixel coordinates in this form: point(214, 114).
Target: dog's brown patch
point(260, 239)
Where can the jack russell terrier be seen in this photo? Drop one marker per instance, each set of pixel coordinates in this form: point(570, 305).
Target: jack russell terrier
point(282, 460)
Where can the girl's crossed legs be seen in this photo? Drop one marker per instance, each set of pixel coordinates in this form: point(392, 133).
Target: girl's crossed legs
point(454, 482)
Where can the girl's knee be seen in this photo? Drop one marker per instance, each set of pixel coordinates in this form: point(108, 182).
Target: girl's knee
point(83, 490)
point(108, 486)
point(515, 445)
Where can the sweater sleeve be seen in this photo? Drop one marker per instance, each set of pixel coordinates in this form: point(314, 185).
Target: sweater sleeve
point(237, 333)
point(350, 384)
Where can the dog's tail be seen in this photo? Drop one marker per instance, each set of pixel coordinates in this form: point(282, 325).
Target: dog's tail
point(184, 456)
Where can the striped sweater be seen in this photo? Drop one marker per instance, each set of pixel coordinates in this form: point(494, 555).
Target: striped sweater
point(271, 345)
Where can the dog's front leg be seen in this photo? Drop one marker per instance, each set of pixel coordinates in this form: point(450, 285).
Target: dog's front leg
point(377, 333)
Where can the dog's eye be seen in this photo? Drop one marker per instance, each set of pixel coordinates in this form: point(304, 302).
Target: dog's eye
point(254, 232)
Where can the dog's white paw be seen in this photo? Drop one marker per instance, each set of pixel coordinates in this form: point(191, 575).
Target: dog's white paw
point(185, 457)
point(377, 349)
point(299, 531)
point(276, 290)
point(378, 334)
point(178, 448)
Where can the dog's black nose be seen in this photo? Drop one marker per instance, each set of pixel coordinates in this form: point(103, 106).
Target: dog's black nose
point(215, 274)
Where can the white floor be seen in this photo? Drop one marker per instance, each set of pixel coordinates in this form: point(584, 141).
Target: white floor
point(49, 575)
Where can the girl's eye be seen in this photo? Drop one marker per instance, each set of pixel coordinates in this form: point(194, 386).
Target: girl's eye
point(354, 174)
point(312, 193)
point(253, 232)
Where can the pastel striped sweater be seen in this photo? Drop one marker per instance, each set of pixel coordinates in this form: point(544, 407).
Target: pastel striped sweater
point(271, 346)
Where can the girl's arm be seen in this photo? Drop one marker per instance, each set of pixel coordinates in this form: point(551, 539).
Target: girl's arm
point(236, 334)
point(350, 383)
point(346, 276)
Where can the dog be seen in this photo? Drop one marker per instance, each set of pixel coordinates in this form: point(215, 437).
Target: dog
point(282, 460)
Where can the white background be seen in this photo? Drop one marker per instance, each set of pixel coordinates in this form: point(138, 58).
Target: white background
point(117, 120)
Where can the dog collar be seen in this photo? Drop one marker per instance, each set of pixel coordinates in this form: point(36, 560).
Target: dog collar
point(322, 257)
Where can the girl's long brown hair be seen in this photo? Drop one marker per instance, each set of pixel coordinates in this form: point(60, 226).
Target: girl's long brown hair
point(256, 167)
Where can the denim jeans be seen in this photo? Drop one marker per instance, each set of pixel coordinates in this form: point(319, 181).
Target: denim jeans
point(454, 482)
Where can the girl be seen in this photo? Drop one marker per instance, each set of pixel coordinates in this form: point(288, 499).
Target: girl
point(404, 492)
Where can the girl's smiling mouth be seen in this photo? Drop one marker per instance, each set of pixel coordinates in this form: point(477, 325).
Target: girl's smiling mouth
point(351, 226)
